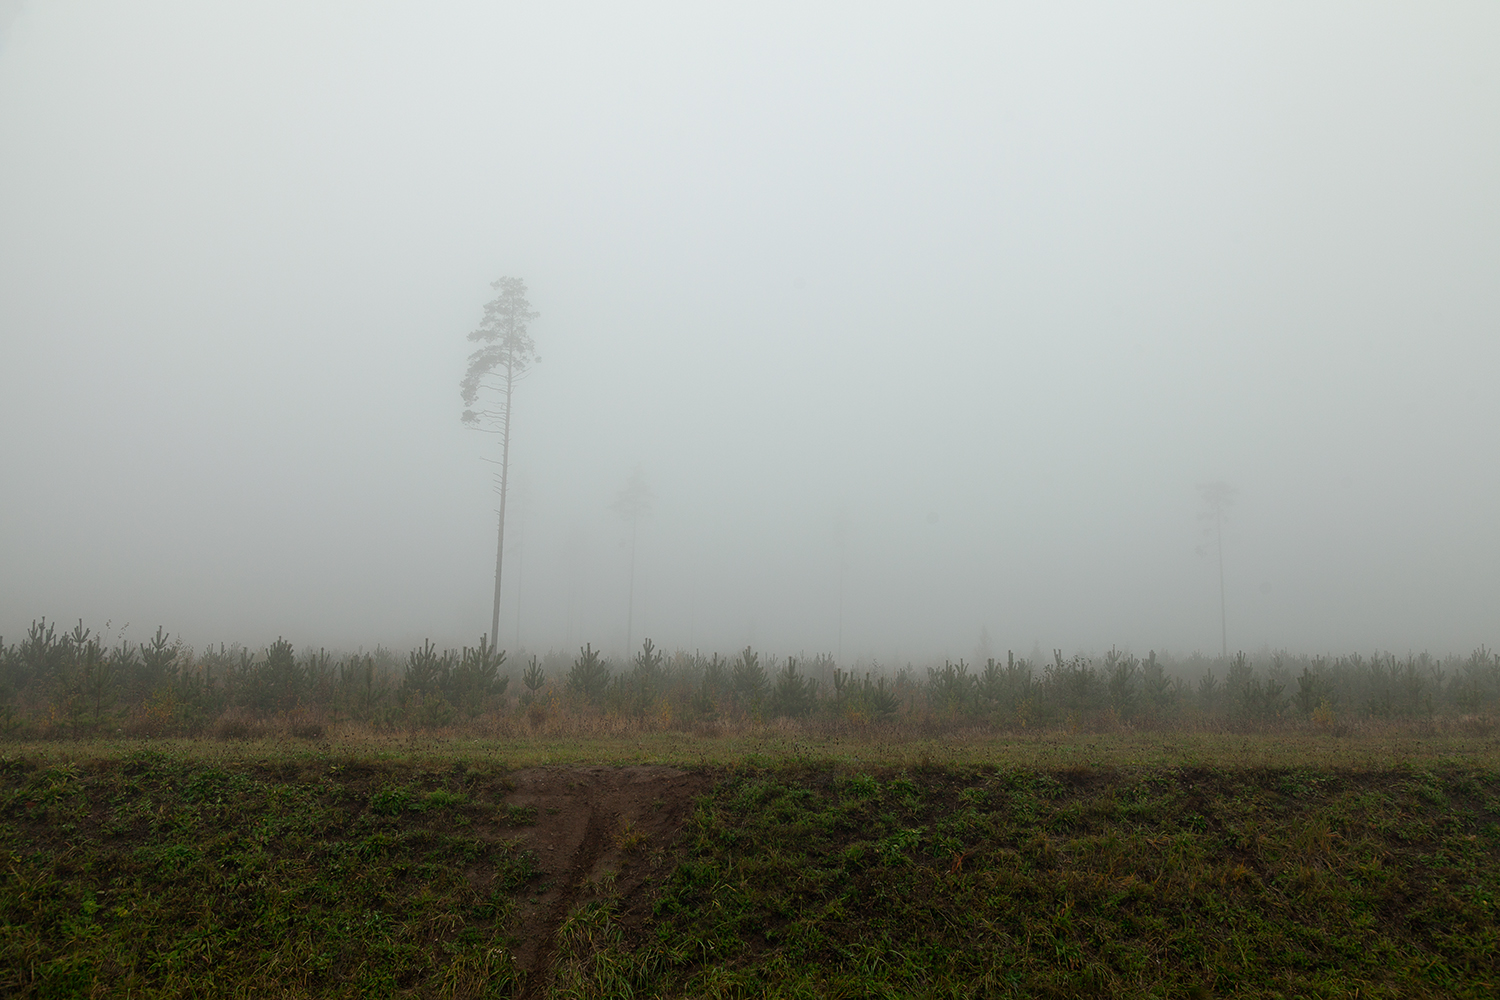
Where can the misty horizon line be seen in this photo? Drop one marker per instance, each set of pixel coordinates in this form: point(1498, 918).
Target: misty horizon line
point(391, 655)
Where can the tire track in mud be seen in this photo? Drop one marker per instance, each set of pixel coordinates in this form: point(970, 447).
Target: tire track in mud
point(580, 868)
point(578, 812)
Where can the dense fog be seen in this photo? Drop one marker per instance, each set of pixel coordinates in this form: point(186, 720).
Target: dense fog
point(927, 331)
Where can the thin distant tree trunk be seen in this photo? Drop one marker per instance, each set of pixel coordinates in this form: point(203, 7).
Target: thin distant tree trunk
point(841, 614)
point(1223, 614)
point(633, 501)
point(504, 471)
point(630, 602)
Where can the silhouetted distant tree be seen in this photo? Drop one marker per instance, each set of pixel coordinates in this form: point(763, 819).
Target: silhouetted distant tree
point(1217, 499)
point(533, 678)
point(646, 676)
point(476, 678)
point(748, 679)
point(505, 358)
point(794, 694)
point(590, 675)
point(633, 503)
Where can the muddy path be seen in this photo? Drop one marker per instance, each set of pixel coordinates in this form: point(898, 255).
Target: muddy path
point(593, 824)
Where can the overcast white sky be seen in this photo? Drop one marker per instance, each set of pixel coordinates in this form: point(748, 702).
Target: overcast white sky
point(968, 298)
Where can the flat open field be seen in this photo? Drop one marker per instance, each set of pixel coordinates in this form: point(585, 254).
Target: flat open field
point(1378, 747)
point(765, 863)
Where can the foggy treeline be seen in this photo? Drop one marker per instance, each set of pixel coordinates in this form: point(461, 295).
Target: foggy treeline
point(914, 321)
point(76, 683)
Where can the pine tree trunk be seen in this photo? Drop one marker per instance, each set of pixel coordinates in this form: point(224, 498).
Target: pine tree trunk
point(504, 472)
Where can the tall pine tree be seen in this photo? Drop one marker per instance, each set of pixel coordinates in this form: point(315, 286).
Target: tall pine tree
point(506, 356)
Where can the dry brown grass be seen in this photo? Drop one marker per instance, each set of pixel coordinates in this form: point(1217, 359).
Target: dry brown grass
point(577, 738)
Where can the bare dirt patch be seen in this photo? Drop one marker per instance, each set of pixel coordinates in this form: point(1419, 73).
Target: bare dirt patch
point(594, 824)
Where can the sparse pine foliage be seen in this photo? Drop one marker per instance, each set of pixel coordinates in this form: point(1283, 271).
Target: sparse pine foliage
point(748, 679)
point(507, 352)
point(952, 689)
point(158, 661)
point(715, 683)
point(646, 680)
point(534, 677)
point(475, 682)
point(1208, 692)
point(794, 695)
point(589, 677)
point(41, 655)
point(356, 687)
point(876, 699)
point(1156, 686)
point(426, 670)
point(1123, 671)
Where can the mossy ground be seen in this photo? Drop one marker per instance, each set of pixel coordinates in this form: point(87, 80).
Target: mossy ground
point(217, 870)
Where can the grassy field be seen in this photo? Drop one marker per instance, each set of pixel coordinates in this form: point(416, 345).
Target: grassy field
point(1371, 746)
point(770, 862)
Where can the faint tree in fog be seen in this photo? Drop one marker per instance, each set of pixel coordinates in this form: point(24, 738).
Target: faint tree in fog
point(838, 526)
point(633, 503)
point(522, 495)
point(494, 369)
point(1217, 499)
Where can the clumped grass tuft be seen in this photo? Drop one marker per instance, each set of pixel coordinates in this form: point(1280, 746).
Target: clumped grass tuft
point(631, 838)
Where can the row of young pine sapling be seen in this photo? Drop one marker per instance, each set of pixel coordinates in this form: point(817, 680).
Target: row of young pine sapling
point(72, 683)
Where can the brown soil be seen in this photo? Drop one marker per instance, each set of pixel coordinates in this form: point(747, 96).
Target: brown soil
point(593, 822)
